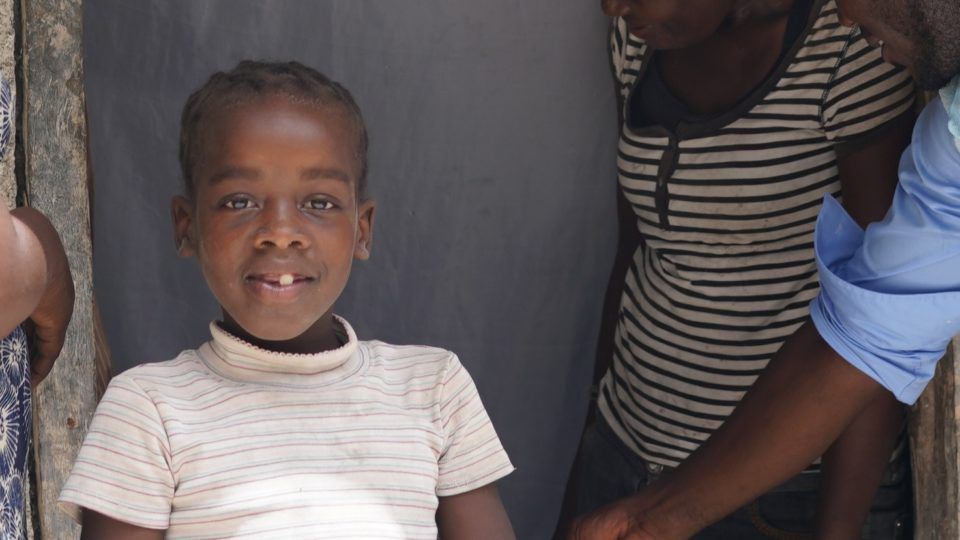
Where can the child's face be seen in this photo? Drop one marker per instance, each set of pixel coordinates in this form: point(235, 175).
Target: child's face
point(276, 221)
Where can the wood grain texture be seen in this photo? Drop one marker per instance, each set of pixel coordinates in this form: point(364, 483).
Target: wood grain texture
point(8, 66)
point(934, 432)
point(56, 180)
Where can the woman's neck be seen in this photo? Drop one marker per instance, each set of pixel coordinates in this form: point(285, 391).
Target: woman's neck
point(719, 72)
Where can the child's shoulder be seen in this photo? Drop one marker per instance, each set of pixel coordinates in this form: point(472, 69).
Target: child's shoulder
point(165, 373)
point(416, 359)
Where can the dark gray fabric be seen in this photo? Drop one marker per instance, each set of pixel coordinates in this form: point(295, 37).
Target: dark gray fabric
point(493, 131)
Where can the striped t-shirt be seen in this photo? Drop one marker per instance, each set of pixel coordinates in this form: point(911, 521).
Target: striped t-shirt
point(231, 440)
point(726, 210)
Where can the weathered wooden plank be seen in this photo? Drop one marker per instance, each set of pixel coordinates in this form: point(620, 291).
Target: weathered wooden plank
point(56, 179)
point(934, 436)
point(8, 66)
point(8, 181)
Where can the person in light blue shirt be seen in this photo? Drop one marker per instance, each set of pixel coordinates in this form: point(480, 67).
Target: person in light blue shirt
point(890, 296)
point(888, 307)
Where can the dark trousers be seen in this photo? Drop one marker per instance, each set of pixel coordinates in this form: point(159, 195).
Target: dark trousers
point(607, 470)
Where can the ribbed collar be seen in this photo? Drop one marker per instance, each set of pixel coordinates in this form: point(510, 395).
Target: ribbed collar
point(238, 360)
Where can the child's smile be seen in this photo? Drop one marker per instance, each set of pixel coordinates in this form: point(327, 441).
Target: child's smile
point(276, 221)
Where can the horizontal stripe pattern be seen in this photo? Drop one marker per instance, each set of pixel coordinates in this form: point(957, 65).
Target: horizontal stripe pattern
point(177, 446)
point(713, 292)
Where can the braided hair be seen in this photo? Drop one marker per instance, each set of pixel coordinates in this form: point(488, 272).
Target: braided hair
point(254, 79)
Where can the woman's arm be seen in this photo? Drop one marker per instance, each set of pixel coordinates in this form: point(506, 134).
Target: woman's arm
point(97, 526)
point(854, 465)
point(803, 401)
point(853, 468)
point(37, 284)
point(24, 267)
point(474, 515)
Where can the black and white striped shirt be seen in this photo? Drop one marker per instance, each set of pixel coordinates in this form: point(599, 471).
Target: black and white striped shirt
point(726, 209)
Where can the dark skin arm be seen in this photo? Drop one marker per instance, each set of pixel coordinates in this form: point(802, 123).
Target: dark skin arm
point(23, 256)
point(799, 406)
point(40, 288)
point(97, 526)
point(474, 515)
point(853, 466)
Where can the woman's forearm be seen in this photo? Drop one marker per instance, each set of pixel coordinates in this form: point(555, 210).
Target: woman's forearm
point(853, 468)
point(799, 406)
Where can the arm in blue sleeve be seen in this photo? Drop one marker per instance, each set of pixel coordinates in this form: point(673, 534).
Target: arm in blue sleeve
point(890, 296)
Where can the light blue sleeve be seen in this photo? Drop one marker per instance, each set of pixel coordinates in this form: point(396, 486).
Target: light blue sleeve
point(890, 296)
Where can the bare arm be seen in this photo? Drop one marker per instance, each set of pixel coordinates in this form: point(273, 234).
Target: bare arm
point(474, 515)
point(24, 266)
point(853, 466)
point(869, 175)
point(97, 526)
point(798, 407)
point(37, 284)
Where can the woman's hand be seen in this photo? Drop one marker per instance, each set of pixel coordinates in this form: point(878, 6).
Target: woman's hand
point(626, 519)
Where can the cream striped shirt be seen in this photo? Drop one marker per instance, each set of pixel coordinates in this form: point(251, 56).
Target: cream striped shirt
point(233, 441)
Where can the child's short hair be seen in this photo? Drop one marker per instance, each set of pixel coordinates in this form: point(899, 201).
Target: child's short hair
point(252, 79)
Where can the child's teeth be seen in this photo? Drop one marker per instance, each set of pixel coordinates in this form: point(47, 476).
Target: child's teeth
point(286, 279)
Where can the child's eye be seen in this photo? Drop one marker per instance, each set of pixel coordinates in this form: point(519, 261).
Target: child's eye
point(237, 203)
point(319, 204)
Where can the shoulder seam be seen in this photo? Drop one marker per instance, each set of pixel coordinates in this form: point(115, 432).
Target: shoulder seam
point(173, 481)
point(833, 75)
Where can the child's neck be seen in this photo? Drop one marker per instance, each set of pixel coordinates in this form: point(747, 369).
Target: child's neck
point(320, 337)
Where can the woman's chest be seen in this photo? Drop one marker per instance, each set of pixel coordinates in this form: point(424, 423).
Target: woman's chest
point(714, 78)
point(759, 179)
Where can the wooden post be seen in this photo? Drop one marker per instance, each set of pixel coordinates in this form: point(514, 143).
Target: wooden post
point(56, 181)
point(8, 70)
point(934, 437)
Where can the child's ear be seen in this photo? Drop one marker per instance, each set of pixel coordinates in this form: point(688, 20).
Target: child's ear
point(181, 210)
point(365, 227)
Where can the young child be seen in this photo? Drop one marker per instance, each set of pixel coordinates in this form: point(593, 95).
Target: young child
point(284, 424)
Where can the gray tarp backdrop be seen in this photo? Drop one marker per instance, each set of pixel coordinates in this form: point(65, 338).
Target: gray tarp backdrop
point(492, 126)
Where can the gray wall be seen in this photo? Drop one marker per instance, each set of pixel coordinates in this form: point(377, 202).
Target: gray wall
point(493, 132)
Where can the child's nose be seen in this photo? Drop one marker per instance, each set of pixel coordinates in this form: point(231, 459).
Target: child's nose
point(615, 8)
point(280, 227)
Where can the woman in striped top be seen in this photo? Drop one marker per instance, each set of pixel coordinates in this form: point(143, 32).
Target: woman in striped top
point(284, 425)
point(738, 117)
